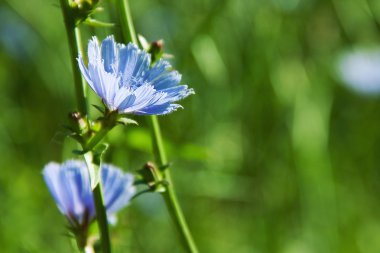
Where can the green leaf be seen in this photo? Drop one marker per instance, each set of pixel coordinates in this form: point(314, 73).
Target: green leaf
point(98, 152)
point(153, 177)
point(99, 108)
point(79, 152)
point(97, 23)
point(122, 119)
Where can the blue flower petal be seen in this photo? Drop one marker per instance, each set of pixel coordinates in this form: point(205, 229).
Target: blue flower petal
point(51, 177)
point(118, 188)
point(177, 93)
point(70, 186)
point(133, 63)
point(109, 54)
point(162, 77)
point(85, 72)
point(124, 98)
point(159, 109)
point(144, 95)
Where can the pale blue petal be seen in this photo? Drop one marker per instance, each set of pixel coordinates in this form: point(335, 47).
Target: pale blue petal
point(79, 178)
point(127, 62)
point(117, 187)
point(167, 80)
point(105, 84)
point(85, 72)
point(69, 184)
point(96, 77)
point(93, 51)
point(51, 177)
point(142, 64)
point(143, 96)
point(109, 54)
point(161, 76)
point(124, 98)
point(71, 179)
point(111, 86)
point(133, 64)
point(157, 70)
point(126, 193)
point(96, 69)
point(159, 109)
point(176, 93)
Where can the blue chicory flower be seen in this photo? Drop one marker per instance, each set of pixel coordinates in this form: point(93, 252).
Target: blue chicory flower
point(122, 76)
point(69, 183)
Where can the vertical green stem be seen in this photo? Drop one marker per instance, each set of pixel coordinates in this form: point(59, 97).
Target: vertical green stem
point(75, 46)
point(100, 209)
point(101, 216)
point(159, 150)
point(127, 22)
point(170, 195)
point(73, 35)
point(74, 246)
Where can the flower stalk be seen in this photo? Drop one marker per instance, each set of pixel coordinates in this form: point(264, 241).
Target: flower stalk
point(159, 150)
point(75, 46)
point(74, 40)
point(93, 166)
point(169, 193)
point(101, 217)
point(127, 22)
point(106, 124)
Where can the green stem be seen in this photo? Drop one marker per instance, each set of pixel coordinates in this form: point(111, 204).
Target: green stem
point(159, 150)
point(169, 193)
point(74, 246)
point(75, 45)
point(101, 216)
point(127, 22)
point(100, 209)
point(73, 35)
point(91, 144)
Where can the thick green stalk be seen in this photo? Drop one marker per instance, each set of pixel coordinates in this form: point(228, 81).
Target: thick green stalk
point(73, 35)
point(159, 150)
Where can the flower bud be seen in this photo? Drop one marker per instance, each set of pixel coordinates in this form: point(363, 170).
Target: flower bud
point(156, 50)
point(84, 4)
point(78, 123)
point(152, 176)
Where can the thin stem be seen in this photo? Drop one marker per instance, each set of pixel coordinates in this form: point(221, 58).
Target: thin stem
point(169, 193)
point(96, 139)
point(100, 209)
point(159, 150)
point(73, 35)
point(75, 45)
point(101, 216)
point(74, 246)
point(126, 20)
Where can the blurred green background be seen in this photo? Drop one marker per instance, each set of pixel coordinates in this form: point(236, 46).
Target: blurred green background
point(273, 153)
